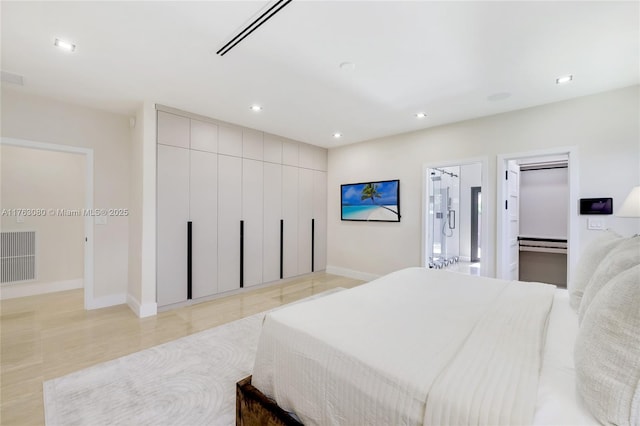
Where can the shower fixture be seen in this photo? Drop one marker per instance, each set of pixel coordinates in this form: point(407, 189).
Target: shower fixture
point(445, 172)
point(443, 205)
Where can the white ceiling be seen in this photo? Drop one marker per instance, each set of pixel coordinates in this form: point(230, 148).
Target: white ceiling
point(444, 58)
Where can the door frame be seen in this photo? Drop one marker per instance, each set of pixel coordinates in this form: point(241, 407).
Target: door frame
point(487, 261)
point(88, 204)
point(573, 243)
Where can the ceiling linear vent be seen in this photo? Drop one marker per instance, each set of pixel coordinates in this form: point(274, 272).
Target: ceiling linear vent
point(277, 7)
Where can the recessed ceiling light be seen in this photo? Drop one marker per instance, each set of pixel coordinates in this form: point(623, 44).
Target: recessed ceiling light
point(337, 135)
point(564, 79)
point(255, 108)
point(8, 77)
point(64, 45)
point(500, 96)
point(349, 66)
point(420, 114)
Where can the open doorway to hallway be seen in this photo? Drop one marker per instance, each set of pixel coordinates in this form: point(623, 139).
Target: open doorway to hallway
point(45, 228)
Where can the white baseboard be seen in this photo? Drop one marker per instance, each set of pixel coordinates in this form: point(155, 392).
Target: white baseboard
point(13, 291)
point(106, 301)
point(350, 273)
point(142, 310)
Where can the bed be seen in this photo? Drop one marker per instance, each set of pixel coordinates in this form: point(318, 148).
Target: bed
point(422, 346)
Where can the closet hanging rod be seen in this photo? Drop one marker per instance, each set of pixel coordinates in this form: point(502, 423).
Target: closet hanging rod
point(543, 165)
point(257, 23)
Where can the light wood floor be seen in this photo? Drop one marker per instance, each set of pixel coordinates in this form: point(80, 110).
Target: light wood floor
point(48, 336)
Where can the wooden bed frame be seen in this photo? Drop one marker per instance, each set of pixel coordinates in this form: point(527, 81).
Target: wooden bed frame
point(254, 408)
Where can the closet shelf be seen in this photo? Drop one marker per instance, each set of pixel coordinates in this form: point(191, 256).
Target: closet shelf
point(543, 244)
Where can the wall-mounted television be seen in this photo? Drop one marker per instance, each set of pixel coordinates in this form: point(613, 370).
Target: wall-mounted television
point(371, 201)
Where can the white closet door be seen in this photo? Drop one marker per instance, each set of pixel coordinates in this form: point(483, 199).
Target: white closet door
point(204, 136)
point(290, 153)
point(272, 214)
point(229, 216)
point(173, 215)
point(230, 140)
point(320, 220)
point(272, 148)
point(290, 219)
point(204, 223)
point(252, 215)
point(513, 213)
point(252, 144)
point(305, 215)
point(173, 130)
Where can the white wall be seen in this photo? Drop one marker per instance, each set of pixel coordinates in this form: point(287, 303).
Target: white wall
point(141, 296)
point(603, 127)
point(37, 179)
point(134, 289)
point(30, 117)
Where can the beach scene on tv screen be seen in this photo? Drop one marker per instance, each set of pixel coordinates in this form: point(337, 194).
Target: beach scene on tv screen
point(370, 201)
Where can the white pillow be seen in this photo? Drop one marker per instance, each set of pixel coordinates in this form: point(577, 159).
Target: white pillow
point(623, 256)
point(607, 352)
point(589, 259)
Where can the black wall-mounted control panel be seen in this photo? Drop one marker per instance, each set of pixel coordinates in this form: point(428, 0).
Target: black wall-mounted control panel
point(596, 206)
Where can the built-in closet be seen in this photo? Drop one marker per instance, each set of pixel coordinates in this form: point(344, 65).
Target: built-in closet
point(544, 209)
point(236, 207)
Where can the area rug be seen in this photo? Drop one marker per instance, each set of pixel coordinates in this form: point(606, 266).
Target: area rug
point(189, 381)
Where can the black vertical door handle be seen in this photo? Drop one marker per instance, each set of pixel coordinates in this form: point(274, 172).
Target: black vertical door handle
point(241, 253)
point(189, 259)
point(281, 248)
point(313, 246)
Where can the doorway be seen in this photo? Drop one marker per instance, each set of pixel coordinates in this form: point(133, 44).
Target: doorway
point(444, 215)
point(453, 217)
point(537, 193)
point(86, 233)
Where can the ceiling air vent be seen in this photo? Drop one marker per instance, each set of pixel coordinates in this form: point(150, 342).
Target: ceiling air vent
point(275, 8)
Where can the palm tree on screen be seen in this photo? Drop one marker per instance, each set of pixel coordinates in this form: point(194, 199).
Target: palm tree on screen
point(370, 190)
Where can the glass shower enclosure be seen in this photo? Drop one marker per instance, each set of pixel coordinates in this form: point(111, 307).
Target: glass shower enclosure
point(444, 206)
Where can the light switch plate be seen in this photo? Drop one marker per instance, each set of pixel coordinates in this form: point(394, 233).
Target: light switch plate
point(595, 223)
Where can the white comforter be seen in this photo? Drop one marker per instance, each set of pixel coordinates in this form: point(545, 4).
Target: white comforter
point(417, 346)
